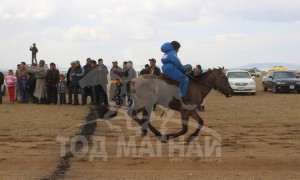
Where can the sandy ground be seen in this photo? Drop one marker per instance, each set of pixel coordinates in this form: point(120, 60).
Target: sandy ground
point(257, 137)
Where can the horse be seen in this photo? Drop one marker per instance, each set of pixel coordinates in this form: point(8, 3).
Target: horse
point(147, 90)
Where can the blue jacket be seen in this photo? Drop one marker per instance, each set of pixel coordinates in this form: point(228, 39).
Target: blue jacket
point(170, 57)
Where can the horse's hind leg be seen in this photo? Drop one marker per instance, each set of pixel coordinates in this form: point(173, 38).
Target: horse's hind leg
point(143, 123)
point(184, 122)
point(200, 125)
point(146, 124)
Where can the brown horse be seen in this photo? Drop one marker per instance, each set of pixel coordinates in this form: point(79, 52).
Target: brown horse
point(148, 90)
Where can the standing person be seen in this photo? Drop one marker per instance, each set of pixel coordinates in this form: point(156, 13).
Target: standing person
point(17, 84)
point(103, 82)
point(10, 81)
point(173, 68)
point(40, 73)
point(62, 89)
point(76, 75)
point(94, 66)
point(145, 70)
point(69, 83)
point(123, 89)
point(129, 75)
point(33, 50)
point(97, 79)
point(19, 73)
point(1, 84)
point(154, 70)
point(23, 88)
point(52, 79)
point(87, 90)
point(31, 83)
point(115, 78)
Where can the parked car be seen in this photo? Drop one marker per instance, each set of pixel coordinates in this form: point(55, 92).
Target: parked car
point(241, 81)
point(255, 72)
point(281, 81)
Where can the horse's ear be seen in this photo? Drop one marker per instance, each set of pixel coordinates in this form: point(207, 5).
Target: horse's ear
point(223, 68)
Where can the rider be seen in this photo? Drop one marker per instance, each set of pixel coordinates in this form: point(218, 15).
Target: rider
point(173, 68)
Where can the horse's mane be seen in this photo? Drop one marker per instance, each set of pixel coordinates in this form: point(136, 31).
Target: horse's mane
point(170, 81)
point(205, 74)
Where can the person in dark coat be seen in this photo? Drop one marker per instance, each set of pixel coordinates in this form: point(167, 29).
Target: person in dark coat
point(87, 90)
point(76, 74)
point(52, 80)
point(1, 84)
point(69, 83)
point(145, 70)
point(154, 70)
point(33, 50)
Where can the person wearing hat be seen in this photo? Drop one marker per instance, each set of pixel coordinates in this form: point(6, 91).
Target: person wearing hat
point(69, 83)
point(173, 68)
point(154, 70)
point(33, 50)
point(115, 78)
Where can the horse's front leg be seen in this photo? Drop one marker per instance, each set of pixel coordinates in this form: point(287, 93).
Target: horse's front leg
point(184, 123)
point(200, 125)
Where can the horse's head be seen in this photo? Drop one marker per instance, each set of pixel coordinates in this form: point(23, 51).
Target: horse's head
point(221, 82)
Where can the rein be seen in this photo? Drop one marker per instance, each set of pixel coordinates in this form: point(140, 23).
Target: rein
point(205, 84)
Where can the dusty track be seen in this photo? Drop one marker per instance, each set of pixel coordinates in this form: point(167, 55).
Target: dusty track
point(260, 139)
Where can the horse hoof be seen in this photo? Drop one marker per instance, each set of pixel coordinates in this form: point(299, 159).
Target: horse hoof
point(144, 133)
point(163, 139)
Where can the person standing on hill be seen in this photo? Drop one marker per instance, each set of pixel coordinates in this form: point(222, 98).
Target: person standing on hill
point(33, 50)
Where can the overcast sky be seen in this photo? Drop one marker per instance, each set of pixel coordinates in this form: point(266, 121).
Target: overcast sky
point(212, 33)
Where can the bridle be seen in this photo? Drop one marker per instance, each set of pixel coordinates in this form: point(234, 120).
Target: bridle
point(205, 84)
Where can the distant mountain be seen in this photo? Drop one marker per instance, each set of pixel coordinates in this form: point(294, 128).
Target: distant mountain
point(4, 70)
point(265, 66)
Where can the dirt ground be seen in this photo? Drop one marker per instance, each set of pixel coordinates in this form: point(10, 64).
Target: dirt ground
point(257, 137)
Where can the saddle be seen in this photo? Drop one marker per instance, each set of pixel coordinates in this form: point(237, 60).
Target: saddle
point(168, 80)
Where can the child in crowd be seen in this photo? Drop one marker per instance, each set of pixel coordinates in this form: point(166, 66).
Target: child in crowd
point(11, 81)
point(23, 88)
point(62, 89)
